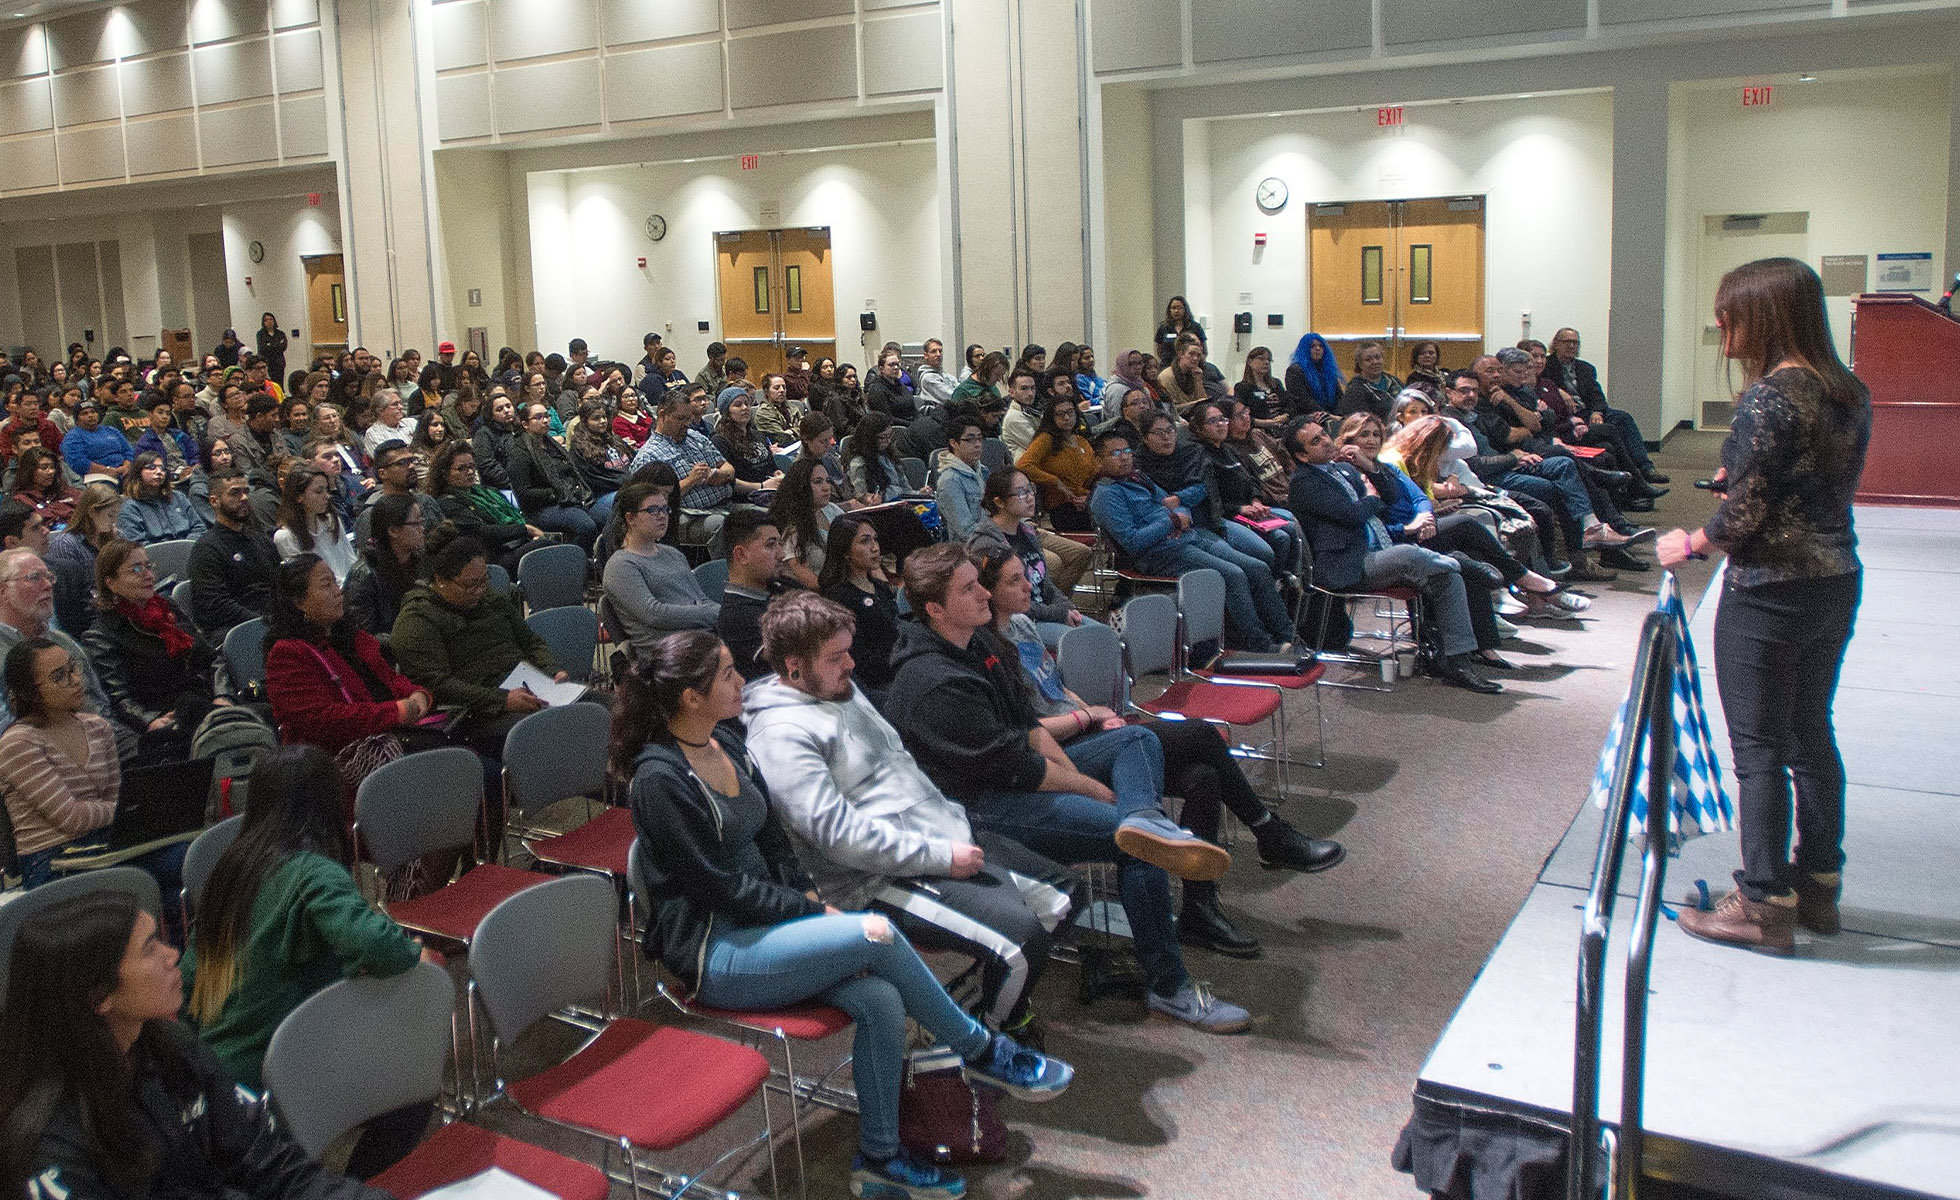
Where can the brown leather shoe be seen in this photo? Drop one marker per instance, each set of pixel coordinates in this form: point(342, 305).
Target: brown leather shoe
point(1760, 925)
point(1817, 901)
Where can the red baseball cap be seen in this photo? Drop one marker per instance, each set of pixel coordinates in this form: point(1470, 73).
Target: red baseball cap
point(445, 347)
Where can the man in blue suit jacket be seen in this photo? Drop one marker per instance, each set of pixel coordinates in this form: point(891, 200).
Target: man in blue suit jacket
point(1352, 548)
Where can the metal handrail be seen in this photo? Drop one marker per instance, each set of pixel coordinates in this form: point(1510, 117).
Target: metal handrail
point(1652, 691)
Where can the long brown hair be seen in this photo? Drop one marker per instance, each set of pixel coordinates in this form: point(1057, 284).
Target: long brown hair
point(1772, 311)
point(1420, 445)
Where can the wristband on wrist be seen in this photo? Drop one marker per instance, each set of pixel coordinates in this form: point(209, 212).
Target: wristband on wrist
point(1081, 720)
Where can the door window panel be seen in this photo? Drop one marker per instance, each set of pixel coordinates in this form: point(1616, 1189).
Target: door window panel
point(1419, 273)
point(1371, 275)
point(762, 289)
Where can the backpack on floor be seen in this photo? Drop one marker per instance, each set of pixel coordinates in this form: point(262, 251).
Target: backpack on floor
point(233, 737)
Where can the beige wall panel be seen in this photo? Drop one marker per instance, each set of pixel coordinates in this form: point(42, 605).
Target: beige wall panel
point(1617, 12)
point(156, 25)
point(556, 95)
point(1127, 34)
point(23, 51)
point(298, 58)
point(84, 96)
point(772, 68)
point(525, 30)
point(462, 107)
point(290, 14)
point(462, 35)
point(1405, 21)
point(153, 85)
point(30, 163)
point(303, 126)
point(34, 274)
point(239, 135)
point(239, 71)
point(747, 14)
point(663, 82)
point(876, 5)
point(74, 41)
point(629, 21)
point(219, 20)
point(904, 54)
point(25, 106)
point(1226, 30)
point(163, 144)
point(88, 155)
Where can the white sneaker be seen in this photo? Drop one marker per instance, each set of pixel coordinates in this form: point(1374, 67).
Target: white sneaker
point(1507, 605)
point(1505, 629)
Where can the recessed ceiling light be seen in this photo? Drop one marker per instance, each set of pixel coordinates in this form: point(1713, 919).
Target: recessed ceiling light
point(1806, 79)
point(20, 14)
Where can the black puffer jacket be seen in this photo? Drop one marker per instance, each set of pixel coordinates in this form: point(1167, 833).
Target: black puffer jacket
point(710, 861)
point(215, 1140)
point(543, 475)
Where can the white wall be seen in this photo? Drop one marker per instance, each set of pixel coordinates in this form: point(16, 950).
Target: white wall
point(1544, 165)
point(1864, 154)
point(473, 201)
point(289, 228)
point(1129, 304)
point(587, 227)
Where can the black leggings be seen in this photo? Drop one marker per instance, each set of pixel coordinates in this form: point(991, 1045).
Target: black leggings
point(1778, 648)
point(1461, 533)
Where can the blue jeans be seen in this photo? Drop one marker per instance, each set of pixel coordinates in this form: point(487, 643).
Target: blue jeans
point(1563, 476)
point(1071, 828)
point(1278, 548)
point(1256, 615)
point(828, 958)
point(165, 864)
point(575, 523)
point(601, 509)
point(1622, 423)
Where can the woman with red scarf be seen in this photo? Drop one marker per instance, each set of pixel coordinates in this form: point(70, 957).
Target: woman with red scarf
point(154, 665)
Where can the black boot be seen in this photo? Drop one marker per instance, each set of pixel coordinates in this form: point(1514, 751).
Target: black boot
point(1455, 671)
point(1284, 848)
point(1203, 924)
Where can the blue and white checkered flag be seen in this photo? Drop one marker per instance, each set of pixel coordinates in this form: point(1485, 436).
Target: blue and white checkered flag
point(1698, 796)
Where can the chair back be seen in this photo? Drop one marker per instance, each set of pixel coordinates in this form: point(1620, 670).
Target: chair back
point(572, 634)
point(548, 946)
point(499, 580)
point(20, 910)
point(244, 652)
point(426, 801)
point(555, 754)
point(552, 576)
point(713, 577)
point(203, 856)
point(357, 1049)
point(1150, 632)
point(636, 878)
point(181, 597)
point(171, 559)
point(994, 455)
point(1201, 606)
point(1091, 661)
point(915, 471)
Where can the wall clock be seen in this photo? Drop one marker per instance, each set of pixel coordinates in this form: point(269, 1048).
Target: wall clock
point(257, 251)
point(656, 227)
point(1271, 195)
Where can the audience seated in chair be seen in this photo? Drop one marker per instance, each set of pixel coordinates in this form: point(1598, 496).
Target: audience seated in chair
point(650, 590)
point(854, 579)
point(232, 565)
point(755, 574)
point(154, 664)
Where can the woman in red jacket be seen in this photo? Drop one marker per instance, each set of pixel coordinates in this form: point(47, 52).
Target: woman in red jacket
point(328, 683)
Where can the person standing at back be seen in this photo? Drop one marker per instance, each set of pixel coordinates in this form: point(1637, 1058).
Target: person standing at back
point(1790, 466)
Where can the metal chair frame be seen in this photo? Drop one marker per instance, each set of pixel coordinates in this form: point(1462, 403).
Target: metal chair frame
point(1400, 632)
point(1210, 626)
point(1171, 655)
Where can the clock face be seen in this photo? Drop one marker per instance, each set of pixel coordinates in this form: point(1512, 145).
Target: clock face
point(1271, 195)
point(257, 251)
point(656, 227)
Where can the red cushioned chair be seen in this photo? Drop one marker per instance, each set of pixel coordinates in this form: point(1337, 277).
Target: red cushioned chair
point(1400, 633)
point(1150, 638)
point(1201, 641)
point(636, 1085)
point(363, 1047)
point(797, 1023)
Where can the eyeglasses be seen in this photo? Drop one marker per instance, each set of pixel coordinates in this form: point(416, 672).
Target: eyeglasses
point(1215, 419)
point(1119, 451)
point(1019, 492)
point(63, 674)
point(970, 438)
point(139, 566)
point(30, 577)
point(655, 510)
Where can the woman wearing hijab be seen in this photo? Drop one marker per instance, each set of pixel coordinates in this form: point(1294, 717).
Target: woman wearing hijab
point(1134, 371)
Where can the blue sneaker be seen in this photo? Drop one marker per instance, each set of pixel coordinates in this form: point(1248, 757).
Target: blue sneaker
point(1019, 1071)
point(902, 1178)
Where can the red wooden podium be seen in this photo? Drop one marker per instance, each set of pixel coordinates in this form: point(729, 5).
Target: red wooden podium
point(1908, 353)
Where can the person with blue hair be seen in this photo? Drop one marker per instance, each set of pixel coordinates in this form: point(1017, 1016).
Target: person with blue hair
point(1313, 379)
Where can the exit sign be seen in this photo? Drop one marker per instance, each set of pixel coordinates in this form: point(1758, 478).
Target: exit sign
point(1389, 115)
point(751, 161)
point(313, 199)
point(1756, 97)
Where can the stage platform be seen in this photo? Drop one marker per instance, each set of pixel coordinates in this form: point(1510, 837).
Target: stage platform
point(1833, 1074)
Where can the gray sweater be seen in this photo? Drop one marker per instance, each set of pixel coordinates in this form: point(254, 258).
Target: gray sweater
point(652, 595)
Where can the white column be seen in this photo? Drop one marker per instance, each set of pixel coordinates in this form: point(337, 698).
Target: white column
point(1635, 332)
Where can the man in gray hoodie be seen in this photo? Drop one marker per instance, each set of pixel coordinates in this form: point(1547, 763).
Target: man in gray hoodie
point(875, 831)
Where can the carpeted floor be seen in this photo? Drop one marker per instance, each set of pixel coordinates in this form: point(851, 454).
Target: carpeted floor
point(1448, 804)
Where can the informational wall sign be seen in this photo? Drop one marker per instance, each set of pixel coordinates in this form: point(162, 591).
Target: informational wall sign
point(1757, 97)
point(1389, 115)
point(1845, 274)
point(1905, 273)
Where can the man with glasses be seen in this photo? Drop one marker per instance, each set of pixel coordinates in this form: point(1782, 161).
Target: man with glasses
point(707, 479)
point(397, 474)
point(1131, 509)
point(650, 590)
point(233, 565)
point(21, 526)
point(962, 477)
point(1581, 378)
point(27, 611)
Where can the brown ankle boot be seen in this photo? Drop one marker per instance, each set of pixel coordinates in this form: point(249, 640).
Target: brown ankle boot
point(1817, 901)
point(1765, 926)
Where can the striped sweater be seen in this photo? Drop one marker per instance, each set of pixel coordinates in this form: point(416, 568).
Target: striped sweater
point(51, 799)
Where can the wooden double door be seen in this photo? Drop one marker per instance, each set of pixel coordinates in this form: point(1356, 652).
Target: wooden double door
point(776, 292)
point(1398, 272)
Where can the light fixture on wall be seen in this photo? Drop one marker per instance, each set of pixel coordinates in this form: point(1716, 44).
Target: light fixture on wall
point(1806, 79)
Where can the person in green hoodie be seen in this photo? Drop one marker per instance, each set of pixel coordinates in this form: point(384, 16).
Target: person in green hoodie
point(280, 919)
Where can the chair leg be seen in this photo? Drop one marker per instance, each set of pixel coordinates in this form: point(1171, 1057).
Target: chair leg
point(795, 1124)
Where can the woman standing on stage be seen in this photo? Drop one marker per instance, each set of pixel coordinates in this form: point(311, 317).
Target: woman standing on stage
point(1790, 466)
